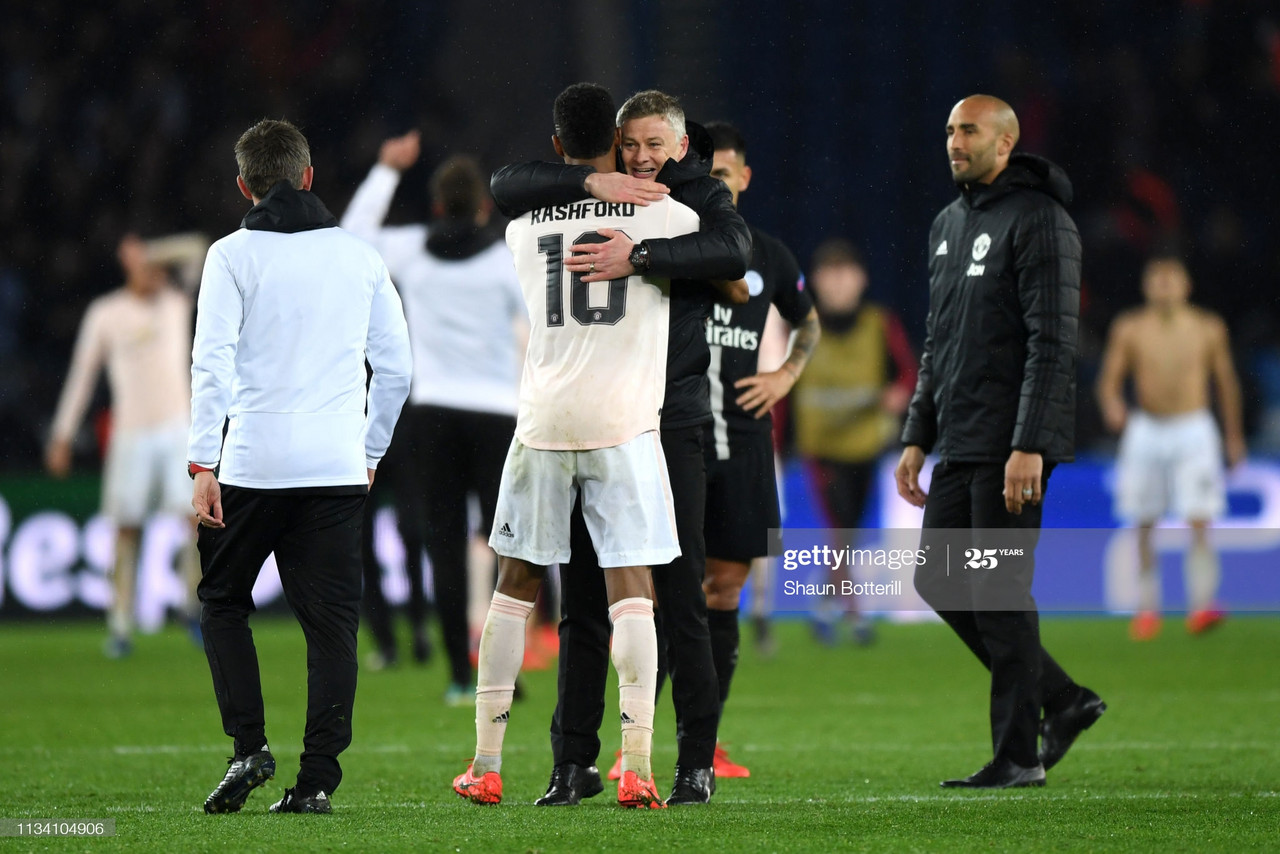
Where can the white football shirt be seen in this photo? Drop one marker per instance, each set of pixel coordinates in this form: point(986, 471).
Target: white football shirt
point(462, 312)
point(145, 343)
point(595, 371)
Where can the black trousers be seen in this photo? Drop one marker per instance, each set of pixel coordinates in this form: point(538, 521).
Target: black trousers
point(1024, 677)
point(395, 476)
point(584, 626)
point(456, 452)
point(316, 540)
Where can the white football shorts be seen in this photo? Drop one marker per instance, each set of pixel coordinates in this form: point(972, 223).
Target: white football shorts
point(146, 471)
point(626, 502)
point(1170, 464)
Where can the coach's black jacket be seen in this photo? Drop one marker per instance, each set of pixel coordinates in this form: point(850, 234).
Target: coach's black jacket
point(721, 249)
point(998, 371)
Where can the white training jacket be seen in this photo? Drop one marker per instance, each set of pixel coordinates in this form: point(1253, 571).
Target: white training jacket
point(284, 324)
point(462, 313)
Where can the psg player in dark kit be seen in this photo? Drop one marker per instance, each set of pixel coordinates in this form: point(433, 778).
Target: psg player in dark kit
point(742, 493)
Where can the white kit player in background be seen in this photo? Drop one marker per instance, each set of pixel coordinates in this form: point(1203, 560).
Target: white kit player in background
point(468, 329)
point(590, 403)
point(141, 332)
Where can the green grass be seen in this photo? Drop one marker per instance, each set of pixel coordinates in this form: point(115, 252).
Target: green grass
point(846, 748)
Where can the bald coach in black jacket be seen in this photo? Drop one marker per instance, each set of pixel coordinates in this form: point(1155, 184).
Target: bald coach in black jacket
point(995, 400)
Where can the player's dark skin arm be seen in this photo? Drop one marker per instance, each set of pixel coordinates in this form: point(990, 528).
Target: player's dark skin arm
point(762, 391)
point(736, 292)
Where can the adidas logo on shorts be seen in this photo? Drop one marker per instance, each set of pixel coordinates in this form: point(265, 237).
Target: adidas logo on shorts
point(505, 531)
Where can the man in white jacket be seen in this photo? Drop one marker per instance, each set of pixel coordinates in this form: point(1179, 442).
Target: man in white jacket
point(284, 443)
point(467, 327)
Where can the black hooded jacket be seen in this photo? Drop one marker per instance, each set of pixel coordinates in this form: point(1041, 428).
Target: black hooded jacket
point(998, 372)
point(458, 238)
point(288, 210)
point(720, 249)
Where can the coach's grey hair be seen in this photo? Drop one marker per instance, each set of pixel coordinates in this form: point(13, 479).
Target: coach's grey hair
point(651, 102)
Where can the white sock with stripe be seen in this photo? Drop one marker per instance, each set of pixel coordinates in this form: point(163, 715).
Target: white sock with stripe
point(635, 657)
point(501, 654)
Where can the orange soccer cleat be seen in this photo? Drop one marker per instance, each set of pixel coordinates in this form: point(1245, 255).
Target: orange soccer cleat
point(1145, 626)
point(485, 789)
point(1199, 622)
point(726, 767)
point(635, 793)
point(615, 773)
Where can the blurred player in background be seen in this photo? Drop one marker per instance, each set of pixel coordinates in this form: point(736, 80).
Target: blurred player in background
point(468, 325)
point(142, 334)
point(742, 493)
point(848, 405)
point(1171, 451)
point(397, 479)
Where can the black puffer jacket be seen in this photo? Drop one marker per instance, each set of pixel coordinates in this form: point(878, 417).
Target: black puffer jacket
point(720, 249)
point(998, 371)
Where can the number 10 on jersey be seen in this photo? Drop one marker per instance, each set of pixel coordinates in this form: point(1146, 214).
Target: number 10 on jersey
point(552, 245)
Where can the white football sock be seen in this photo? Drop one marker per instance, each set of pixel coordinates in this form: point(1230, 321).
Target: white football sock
point(635, 657)
point(1149, 588)
point(1202, 572)
point(501, 654)
point(124, 575)
point(189, 569)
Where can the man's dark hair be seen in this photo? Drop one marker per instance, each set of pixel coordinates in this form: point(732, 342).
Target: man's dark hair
point(583, 116)
point(459, 187)
point(836, 252)
point(726, 137)
point(272, 151)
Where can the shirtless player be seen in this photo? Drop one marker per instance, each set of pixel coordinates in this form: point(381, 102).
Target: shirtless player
point(1171, 451)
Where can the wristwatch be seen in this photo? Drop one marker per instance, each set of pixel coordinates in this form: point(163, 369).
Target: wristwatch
point(639, 258)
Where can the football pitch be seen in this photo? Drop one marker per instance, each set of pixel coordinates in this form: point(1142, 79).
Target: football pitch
point(846, 746)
